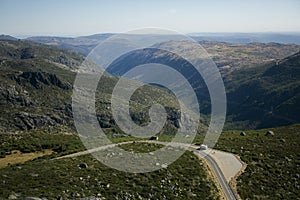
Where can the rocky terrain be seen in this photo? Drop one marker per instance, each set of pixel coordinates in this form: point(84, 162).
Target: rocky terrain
point(36, 83)
point(230, 57)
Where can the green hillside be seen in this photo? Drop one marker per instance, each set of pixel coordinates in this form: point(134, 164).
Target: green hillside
point(258, 96)
point(272, 161)
point(265, 96)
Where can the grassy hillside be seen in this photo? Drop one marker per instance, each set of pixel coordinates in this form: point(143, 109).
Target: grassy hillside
point(272, 170)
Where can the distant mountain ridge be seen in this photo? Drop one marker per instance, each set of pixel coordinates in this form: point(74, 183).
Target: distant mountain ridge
point(244, 38)
point(227, 56)
point(7, 37)
point(84, 44)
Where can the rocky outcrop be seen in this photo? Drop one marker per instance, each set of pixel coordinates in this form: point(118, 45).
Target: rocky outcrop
point(10, 95)
point(38, 79)
point(27, 53)
point(26, 121)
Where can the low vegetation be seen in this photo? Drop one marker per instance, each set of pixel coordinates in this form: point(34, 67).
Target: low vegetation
point(272, 167)
point(84, 176)
point(59, 139)
point(272, 162)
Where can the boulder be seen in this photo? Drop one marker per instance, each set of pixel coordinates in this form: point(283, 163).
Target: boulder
point(34, 198)
point(270, 133)
point(83, 165)
point(12, 196)
point(282, 140)
point(242, 133)
point(154, 138)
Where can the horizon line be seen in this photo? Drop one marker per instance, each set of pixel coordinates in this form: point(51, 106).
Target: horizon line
point(23, 36)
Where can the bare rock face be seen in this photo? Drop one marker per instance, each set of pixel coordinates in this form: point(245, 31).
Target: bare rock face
point(10, 95)
point(27, 53)
point(38, 79)
point(30, 121)
point(27, 121)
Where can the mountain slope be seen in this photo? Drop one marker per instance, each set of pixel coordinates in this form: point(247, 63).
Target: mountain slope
point(22, 50)
point(262, 96)
point(266, 95)
point(36, 83)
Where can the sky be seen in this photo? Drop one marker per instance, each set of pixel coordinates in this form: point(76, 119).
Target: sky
point(86, 17)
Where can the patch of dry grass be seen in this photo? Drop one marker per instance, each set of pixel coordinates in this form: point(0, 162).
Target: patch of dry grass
point(17, 157)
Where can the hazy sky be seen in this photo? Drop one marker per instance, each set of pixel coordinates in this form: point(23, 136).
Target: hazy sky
point(74, 17)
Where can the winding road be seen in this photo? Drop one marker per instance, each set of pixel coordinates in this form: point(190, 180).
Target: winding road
point(227, 190)
point(213, 164)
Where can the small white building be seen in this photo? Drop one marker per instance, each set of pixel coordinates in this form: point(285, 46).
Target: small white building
point(203, 147)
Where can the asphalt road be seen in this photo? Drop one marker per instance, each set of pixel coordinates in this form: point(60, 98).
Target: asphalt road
point(229, 194)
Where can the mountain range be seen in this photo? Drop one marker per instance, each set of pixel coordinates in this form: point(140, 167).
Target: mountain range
point(36, 85)
point(84, 44)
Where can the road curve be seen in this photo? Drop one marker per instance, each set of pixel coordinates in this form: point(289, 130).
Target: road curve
point(227, 190)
